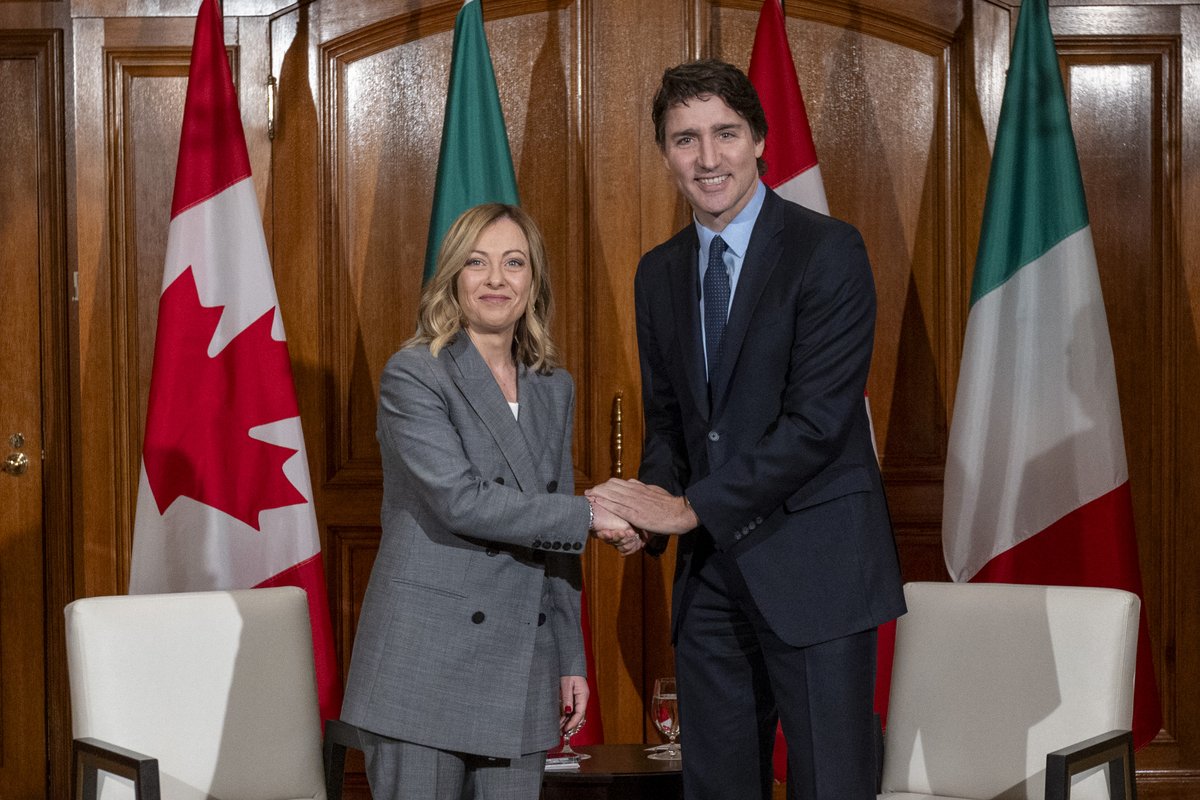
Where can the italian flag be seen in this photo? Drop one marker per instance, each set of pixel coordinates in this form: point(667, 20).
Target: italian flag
point(224, 500)
point(1036, 487)
point(474, 162)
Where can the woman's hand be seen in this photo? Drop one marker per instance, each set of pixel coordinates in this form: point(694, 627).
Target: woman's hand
point(573, 693)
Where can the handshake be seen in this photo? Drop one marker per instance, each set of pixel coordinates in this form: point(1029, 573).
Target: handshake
point(626, 513)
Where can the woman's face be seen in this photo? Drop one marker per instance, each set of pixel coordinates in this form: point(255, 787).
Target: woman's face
point(493, 286)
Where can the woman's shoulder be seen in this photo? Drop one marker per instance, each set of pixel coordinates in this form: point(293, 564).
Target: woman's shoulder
point(412, 358)
point(557, 381)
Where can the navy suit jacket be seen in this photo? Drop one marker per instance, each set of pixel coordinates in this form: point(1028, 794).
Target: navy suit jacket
point(774, 452)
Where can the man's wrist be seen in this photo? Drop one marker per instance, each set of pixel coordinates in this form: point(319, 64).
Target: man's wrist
point(693, 517)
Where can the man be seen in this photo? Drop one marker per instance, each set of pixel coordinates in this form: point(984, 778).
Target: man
point(755, 328)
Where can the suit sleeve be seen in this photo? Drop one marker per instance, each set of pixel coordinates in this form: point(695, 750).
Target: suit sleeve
point(564, 572)
point(415, 426)
point(827, 372)
point(664, 454)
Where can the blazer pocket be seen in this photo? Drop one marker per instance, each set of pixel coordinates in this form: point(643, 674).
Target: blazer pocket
point(425, 587)
point(830, 486)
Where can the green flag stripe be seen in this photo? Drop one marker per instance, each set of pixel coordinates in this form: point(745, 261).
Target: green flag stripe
point(1035, 192)
point(475, 165)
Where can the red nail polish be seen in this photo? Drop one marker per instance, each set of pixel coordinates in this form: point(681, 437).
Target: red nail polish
point(566, 709)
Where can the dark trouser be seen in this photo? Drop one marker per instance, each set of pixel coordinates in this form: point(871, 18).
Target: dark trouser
point(737, 678)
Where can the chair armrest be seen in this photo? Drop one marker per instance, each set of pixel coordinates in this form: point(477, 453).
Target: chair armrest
point(1114, 748)
point(91, 756)
point(338, 736)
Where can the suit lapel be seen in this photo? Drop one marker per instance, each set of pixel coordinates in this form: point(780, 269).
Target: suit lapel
point(479, 387)
point(536, 418)
point(762, 256)
point(685, 296)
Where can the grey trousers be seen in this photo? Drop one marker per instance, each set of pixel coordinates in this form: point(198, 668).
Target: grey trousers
point(399, 770)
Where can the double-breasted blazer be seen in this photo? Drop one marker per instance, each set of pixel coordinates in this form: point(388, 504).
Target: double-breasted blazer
point(481, 533)
point(774, 451)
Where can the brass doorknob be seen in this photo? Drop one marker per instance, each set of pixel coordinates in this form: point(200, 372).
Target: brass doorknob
point(16, 463)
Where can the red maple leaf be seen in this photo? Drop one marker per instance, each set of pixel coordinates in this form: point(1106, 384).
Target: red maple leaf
point(201, 410)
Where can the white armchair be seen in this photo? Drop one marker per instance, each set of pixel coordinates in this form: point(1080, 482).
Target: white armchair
point(195, 695)
point(1002, 691)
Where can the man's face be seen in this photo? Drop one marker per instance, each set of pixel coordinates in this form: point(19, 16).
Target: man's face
point(713, 157)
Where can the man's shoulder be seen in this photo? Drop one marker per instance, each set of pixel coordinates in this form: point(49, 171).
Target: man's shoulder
point(798, 219)
point(681, 245)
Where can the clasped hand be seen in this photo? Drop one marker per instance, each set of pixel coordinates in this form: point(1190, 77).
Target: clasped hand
point(610, 528)
point(649, 508)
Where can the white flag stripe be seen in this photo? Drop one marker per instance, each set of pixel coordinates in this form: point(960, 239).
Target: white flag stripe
point(1045, 452)
point(222, 240)
point(806, 189)
point(195, 547)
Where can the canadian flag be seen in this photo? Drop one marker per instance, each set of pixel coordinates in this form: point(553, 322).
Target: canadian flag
point(791, 156)
point(224, 498)
point(793, 172)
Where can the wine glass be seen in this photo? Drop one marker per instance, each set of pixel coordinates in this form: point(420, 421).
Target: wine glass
point(665, 708)
point(566, 751)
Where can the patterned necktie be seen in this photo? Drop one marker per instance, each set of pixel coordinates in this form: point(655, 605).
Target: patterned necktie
point(716, 303)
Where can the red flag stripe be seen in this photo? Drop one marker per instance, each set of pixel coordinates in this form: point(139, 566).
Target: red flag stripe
point(1094, 545)
point(793, 152)
point(212, 143)
point(593, 731)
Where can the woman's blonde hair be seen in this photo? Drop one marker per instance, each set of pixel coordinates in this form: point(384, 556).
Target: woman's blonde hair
point(440, 316)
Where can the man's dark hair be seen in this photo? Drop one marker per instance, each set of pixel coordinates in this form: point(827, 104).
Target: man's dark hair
point(706, 78)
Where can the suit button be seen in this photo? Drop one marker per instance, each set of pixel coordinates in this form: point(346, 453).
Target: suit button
point(558, 545)
point(577, 546)
point(537, 543)
point(713, 436)
point(499, 480)
point(541, 620)
point(552, 486)
point(758, 520)
point(491, 551)
point(477, 617)
point(751, 526)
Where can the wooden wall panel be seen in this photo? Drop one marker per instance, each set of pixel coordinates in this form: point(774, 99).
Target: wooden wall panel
point(1124, 82)
point(904, 98)
point(1122, 124)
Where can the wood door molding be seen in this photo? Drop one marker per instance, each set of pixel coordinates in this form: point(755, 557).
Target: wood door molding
point(38, 556)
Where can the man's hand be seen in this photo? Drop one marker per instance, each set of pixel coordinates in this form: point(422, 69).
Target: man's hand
point(651, 508)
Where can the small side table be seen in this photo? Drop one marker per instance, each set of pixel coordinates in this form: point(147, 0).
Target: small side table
point(615, 771)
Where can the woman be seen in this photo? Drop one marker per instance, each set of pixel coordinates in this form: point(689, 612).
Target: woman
point(468, 661)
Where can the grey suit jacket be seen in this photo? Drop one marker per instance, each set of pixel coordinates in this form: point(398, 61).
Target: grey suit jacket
point(480, 544)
